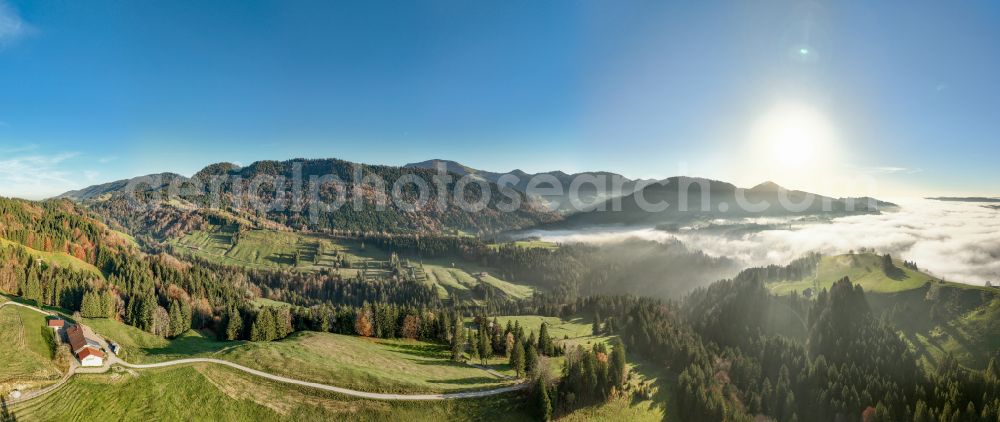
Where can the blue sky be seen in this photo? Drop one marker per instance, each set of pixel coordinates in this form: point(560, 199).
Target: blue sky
point(906, 93)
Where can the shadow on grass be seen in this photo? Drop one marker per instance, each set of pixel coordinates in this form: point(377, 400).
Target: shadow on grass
point(962, 339)
point(485, 382)
point(920, 348)
point(417, 349)
point(6, 415)
point(665, 397)
point(64, 313)
point(190, 344)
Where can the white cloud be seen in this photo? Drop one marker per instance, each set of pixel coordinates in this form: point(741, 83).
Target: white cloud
point(881, 170)
point(12, 27)
point(34, 176)
point(957, 241)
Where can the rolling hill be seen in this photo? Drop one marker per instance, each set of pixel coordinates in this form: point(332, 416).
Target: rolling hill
point(682, 199)
point(936, 317)
point(55, 240)
point(285, 250)
point(106, 190)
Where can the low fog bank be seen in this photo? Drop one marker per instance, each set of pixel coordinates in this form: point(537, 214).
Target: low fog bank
point(953, 240)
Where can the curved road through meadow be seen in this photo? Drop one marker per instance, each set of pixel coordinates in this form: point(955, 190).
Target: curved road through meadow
point(114, 360)
point(339, 390)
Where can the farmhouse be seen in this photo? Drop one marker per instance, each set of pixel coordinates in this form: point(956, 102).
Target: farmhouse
point(86, 350)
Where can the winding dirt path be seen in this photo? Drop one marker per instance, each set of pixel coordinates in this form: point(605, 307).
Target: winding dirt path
point(338, 390)
point(114, 360)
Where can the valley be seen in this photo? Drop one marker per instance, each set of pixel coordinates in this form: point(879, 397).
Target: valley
point(266, 320)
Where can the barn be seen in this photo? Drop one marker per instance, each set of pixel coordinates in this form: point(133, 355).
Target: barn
point(90, 357)
point(87, 351)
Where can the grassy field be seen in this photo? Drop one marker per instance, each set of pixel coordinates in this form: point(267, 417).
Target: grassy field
point(27, 361)
point(142, 347)
point(61, 260)
point(273, 249)
point(934, 316)
point(578, 331)
point(255, 249)
point(863, 269)
point(530, 244)
point(203, 392)
point(345, 361)
point(626, 408)
point(261, 302)
point(945, 318)
point(352, 362)
point(398, 366)
point(455, 279)
point(277, 249)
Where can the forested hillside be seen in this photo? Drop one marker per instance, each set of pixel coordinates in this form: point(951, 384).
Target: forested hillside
point(754, 345)
point(592, 188)
point(734, 365)
point(935, 317)
point(300, 194)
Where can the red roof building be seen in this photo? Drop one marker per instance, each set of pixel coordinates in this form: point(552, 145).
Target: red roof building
point(89, 351)
point(76, 339)
point(56, 323)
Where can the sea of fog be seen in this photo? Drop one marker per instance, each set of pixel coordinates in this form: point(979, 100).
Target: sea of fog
point(957, 241)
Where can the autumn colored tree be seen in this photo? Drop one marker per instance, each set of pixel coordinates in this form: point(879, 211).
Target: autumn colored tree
point(411, 327)
point(363, 322)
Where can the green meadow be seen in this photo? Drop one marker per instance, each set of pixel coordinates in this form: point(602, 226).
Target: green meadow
point(863, 269)
point(935, 317)
point(206, 392)
point(274, 249)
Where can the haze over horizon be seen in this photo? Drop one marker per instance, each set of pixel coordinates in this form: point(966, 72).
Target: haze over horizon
point(824, 97)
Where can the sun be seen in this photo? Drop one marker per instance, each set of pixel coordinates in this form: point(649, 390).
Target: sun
point(792, 136)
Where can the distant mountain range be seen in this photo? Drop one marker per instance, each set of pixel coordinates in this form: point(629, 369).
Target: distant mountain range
point(588, 193)
point(596, 205)
point(106, 190)
point(682, 199)
point(360, 209)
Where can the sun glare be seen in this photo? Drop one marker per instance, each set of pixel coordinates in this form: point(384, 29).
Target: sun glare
point(792, 136)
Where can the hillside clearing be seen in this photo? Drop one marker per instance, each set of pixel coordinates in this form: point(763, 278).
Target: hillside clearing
point(365, 364)
point(272, 249)
point(58, 259)
point(142, 347)
point(863, 269)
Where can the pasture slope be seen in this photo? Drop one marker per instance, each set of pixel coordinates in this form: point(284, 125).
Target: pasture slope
point(936, 317)
point(28, 360)
point(273, 249)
